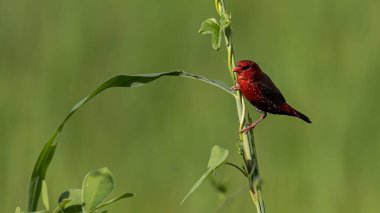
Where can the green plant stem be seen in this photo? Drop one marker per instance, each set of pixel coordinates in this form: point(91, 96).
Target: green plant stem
point(246, 139)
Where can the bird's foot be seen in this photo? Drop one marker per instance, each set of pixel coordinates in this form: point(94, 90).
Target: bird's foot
point(253, 125)
point(246, 129)
point(234, 88)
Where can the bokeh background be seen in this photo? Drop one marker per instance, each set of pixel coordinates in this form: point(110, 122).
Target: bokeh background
point(324, 55)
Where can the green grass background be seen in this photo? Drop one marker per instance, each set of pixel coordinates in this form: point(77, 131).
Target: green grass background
point(323, 55)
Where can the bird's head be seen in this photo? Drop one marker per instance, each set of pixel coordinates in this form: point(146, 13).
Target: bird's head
point(245, 66)
point(247, 70)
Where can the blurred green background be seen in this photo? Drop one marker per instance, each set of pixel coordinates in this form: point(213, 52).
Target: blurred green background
point(323, 55)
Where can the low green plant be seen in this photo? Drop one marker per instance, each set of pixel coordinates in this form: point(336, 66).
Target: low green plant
point(96, 187)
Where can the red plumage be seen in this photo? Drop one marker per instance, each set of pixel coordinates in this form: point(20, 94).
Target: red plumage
point(260, 91)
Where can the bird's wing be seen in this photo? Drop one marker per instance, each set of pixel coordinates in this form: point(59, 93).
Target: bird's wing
point(270, 90)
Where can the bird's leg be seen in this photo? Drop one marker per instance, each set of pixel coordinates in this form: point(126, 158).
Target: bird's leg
point(236, 87)
point(253, 125)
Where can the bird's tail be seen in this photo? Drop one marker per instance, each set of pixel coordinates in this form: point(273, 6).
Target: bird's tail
point(293, 112)
point(303, 117)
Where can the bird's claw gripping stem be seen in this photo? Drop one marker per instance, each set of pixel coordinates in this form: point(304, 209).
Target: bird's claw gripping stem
point(253, 125)
point(234, 88)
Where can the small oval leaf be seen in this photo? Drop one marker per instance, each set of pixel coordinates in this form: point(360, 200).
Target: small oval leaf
point(97, 185)
point(217, 157)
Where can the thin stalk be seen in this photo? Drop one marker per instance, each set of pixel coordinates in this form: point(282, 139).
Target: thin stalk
point(246, 139)
point(236, 167)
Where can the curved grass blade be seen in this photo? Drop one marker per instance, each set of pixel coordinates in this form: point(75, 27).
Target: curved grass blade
point(47, 153)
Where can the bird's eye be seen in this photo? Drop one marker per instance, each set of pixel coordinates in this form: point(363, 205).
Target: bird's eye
point(246, 67)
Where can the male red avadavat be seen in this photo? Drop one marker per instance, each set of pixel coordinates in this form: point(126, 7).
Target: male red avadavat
point(260, 91)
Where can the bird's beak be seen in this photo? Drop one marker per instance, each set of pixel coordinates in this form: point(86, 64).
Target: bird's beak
point(236, 69)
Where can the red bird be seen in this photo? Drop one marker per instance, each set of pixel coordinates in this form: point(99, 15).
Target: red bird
point(260, 91)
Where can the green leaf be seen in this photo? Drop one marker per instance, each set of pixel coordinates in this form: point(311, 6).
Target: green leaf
point(225, 21)
point(70, 201)
point(211, 26)
point(217, 157)
point(62, 204)
point(125, 195)
point(47, 153)
point(74, 195)
point(45, 195)
point(96, 187)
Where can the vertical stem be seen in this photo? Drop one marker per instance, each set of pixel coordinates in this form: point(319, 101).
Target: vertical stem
point(246, 139)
